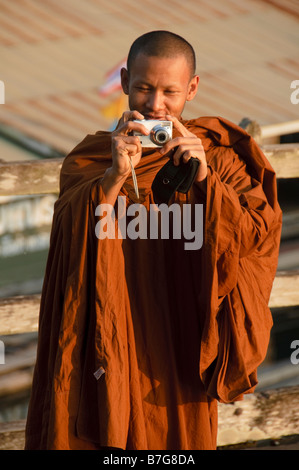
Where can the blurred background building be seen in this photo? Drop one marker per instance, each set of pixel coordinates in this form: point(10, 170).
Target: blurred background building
point(59, 70)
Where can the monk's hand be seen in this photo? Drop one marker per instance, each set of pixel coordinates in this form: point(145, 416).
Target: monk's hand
point(184, 147)
point(125, 146)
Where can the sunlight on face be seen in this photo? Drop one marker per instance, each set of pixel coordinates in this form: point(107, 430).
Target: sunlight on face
point(158, 86)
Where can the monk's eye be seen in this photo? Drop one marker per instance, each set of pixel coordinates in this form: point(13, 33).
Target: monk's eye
point(143, 89)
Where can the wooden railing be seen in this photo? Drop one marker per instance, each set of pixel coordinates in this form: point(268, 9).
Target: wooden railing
point(260, 416)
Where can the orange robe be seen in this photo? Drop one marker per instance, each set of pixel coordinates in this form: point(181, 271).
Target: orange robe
point(174, 330)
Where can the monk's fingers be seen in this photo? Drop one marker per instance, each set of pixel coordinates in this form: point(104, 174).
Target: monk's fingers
point(131, 115)
point(180, 143)
point(129, 127)
point(185, 151)
point(126, 145)
point(128, 116)
point(179, 126)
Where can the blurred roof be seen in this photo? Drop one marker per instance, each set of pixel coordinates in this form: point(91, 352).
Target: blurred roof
point(55, 57)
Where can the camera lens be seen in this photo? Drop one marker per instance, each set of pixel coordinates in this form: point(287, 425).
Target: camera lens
point(159, 135)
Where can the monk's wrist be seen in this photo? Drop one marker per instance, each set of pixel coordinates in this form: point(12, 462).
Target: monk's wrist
point(111, 177)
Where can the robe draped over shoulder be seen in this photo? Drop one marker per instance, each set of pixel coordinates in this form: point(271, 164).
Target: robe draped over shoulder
point(140, 338)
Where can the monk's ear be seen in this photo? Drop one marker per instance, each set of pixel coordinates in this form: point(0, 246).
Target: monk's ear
point(124, 76)
point(192, 87)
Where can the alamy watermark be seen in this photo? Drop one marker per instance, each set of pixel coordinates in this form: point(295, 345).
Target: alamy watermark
point(295, 94)
point(295, 354)
point(2, 352)
point(2, 92)
point(135, 221)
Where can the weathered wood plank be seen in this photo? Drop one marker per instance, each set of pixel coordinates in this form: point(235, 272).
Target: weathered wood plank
point(265, 415)
point(20, 314)
point(12, 435)
point(42, 176)
point(15, 383)
point(278, 129)
point(284, 159)
point(30, 177)
point(285, 291)
point(260, 416)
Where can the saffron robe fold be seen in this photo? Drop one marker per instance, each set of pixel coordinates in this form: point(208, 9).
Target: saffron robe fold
point(169, 331)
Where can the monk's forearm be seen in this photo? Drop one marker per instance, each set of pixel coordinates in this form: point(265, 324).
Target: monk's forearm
point(111, 185)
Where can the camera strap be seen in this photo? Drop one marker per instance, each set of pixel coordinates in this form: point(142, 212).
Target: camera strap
point(173, 178)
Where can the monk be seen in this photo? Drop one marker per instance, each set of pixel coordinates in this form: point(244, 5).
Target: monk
point(140, 337)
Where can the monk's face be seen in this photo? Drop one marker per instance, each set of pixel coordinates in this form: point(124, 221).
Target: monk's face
point(158, 86)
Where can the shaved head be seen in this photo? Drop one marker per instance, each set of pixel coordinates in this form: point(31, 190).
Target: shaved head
point(162, 44)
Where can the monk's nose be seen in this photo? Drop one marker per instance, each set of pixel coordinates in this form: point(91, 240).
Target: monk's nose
point(155, 101)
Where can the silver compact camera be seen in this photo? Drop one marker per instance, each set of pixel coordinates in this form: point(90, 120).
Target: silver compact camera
point(161, 132)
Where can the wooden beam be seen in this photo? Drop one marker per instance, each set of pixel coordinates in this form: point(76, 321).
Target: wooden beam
point(259, 416)
point(20, 314)
point(30, 177)
point(12, 435)
point(284, 159)
point(285, 291)
point(281, 128)
point(42, 176)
